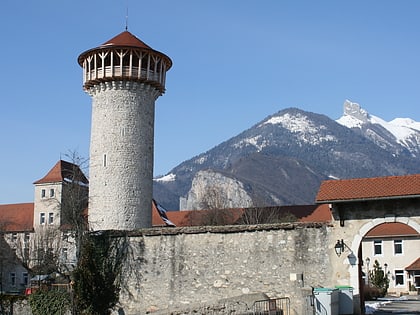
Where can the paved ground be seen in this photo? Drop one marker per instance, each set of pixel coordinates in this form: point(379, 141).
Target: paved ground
point(407, 305)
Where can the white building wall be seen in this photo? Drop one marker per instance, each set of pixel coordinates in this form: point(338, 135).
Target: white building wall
point(47, 201)
point(395, 262)
point(121, 155)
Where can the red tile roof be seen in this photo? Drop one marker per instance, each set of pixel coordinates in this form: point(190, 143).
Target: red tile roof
point(415, 266)
point(126, 39)
point(369, 188)
point(63, 170)
point(17, 217)
point(305, 213)
point(391, 229)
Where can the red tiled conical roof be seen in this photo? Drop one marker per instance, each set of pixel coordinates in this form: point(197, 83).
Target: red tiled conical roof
point(126, 39)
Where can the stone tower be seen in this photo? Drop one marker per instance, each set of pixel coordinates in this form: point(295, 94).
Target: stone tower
point(124, 77)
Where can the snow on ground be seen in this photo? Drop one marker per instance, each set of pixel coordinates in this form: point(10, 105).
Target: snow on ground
point(372, 306)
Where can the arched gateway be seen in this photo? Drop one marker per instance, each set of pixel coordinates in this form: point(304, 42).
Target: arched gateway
point(360, 205)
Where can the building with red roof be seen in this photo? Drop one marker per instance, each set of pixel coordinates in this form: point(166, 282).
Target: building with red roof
point(391, 240)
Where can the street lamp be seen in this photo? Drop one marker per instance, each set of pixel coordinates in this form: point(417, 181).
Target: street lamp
point(367, 267)
point(339, 247)
point(386, 272)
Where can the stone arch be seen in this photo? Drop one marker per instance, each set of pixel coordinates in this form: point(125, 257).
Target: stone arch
point(363, 230)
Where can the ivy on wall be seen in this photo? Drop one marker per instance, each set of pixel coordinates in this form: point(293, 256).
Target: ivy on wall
point(49, 302)
point(97, 278)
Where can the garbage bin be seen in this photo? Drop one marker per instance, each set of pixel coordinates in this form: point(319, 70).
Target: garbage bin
point(345, 298)
point(326, 301)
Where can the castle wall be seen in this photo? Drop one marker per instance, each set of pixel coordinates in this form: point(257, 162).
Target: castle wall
point(183, 268)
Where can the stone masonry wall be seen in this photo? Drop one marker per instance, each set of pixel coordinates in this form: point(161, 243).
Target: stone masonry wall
point(182, 268)
point(121, 155)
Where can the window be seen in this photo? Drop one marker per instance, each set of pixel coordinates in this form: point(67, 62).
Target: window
point(398, 247)
point(25, 278)
point(14, 237)
point(42, 218)
point(50, 218)
point(65, 236)
point(43, 193)
point(52, 192)
point(13, 279)
point(64, 254)
point(399, 277)
point(104, 160)
point(377, 247)
point(27, 237)
point(26, 253)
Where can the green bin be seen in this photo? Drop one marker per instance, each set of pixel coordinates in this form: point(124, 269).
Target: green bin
point(345, 297)
point(326, 301)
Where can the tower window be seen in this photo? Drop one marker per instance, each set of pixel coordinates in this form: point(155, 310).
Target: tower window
point(51, 192)
point(104, 160)
point(42, 218)
point(43, 193)
point(64, 254)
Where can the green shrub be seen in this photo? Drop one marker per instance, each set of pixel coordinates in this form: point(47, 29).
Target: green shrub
point(52, 302)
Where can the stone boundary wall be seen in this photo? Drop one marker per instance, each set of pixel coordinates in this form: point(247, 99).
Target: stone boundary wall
point(175, 269)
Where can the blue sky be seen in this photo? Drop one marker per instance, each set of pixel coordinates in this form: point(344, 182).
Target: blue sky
point(235, 63)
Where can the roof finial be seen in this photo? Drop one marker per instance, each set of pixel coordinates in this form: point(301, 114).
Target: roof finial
point(126, 19)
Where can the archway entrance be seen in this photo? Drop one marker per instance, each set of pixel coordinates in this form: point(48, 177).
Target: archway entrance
point(385, 251)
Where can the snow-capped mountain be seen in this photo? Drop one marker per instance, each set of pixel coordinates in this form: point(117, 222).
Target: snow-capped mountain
point(282, 159)
point(397, 135)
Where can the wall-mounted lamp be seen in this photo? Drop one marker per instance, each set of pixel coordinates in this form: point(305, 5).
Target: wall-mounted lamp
point(368, 273)
point(339, 247)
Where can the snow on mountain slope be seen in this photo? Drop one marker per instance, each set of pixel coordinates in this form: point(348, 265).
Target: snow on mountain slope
point(301, 125)
point(404, 131)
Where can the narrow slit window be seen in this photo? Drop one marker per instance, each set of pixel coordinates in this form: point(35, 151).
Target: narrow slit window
point(104, 160)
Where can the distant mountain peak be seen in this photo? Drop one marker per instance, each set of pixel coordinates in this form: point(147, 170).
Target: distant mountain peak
point(301, 124)
point(354, 110)
point(403, 131)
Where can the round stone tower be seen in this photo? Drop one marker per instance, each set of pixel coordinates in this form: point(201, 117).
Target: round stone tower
point(124, 77)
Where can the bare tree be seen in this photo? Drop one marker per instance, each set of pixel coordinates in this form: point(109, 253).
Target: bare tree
point(75, 200)
point(215, 203)
point(214, 197)
point(43, 252)
point(40, 254)
point(265, 215)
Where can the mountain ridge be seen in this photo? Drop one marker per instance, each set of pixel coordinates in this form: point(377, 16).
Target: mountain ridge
point(282, 159)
